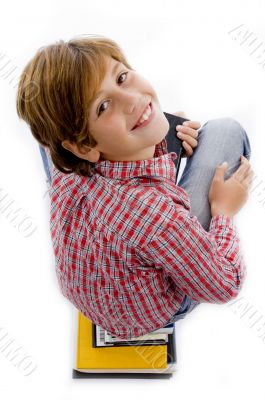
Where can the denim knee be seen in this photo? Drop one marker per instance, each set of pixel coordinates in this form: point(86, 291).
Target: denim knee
point(46, 163)
point(230, 129)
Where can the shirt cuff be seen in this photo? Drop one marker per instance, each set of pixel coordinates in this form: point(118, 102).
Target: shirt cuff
point(221, 220)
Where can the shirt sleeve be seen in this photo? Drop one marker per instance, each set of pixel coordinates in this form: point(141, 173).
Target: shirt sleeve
point(206, 266)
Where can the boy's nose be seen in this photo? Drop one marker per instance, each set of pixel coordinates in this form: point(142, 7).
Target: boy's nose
point(130, 101)
point(132, 105)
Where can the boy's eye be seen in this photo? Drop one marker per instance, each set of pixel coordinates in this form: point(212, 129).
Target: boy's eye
point(99, 108)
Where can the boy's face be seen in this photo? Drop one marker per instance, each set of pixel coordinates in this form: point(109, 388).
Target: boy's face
point(114, 114)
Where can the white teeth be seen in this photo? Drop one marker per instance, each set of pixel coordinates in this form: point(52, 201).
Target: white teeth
point(145, 116)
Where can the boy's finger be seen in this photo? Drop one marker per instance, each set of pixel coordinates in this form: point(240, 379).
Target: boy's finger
point(242, 171)
point(192, 124)
point(187, 130)
point(180, 114)
point(243, 159)
point(188, 149)
point(249, 179)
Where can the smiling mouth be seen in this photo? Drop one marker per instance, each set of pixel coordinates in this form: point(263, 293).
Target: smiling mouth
point(146, 122)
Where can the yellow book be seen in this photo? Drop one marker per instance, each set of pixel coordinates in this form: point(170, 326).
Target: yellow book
point(153, 358)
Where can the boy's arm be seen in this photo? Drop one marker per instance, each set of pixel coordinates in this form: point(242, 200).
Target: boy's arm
point(206, 266)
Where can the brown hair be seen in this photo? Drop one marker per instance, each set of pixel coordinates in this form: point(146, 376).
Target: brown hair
point(55, 92)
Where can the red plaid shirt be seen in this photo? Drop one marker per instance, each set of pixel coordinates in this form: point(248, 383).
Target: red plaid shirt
point(127, 248)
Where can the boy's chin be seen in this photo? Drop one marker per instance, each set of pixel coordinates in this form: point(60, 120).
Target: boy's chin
point(160, 137)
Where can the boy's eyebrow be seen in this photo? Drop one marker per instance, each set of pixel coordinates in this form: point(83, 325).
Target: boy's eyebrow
point(101, 91)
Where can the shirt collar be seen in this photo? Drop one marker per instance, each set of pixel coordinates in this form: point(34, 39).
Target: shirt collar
point(160, 165)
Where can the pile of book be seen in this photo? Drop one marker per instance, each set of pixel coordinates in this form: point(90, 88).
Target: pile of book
point(98, 354)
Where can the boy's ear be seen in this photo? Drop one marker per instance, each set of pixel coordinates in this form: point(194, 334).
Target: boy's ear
point(84, 152)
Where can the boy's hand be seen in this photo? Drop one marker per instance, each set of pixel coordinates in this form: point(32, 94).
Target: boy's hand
point(188, 134)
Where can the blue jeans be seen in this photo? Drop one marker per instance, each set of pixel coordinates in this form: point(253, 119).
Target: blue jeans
point(221, 139)
point(47, 164)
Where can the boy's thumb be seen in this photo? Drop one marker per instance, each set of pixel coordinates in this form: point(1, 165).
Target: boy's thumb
point(220, 170)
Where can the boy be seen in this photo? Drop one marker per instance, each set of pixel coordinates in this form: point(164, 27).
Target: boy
point(130, 255)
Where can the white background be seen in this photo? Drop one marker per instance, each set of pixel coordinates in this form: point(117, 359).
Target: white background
point(186, 51)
